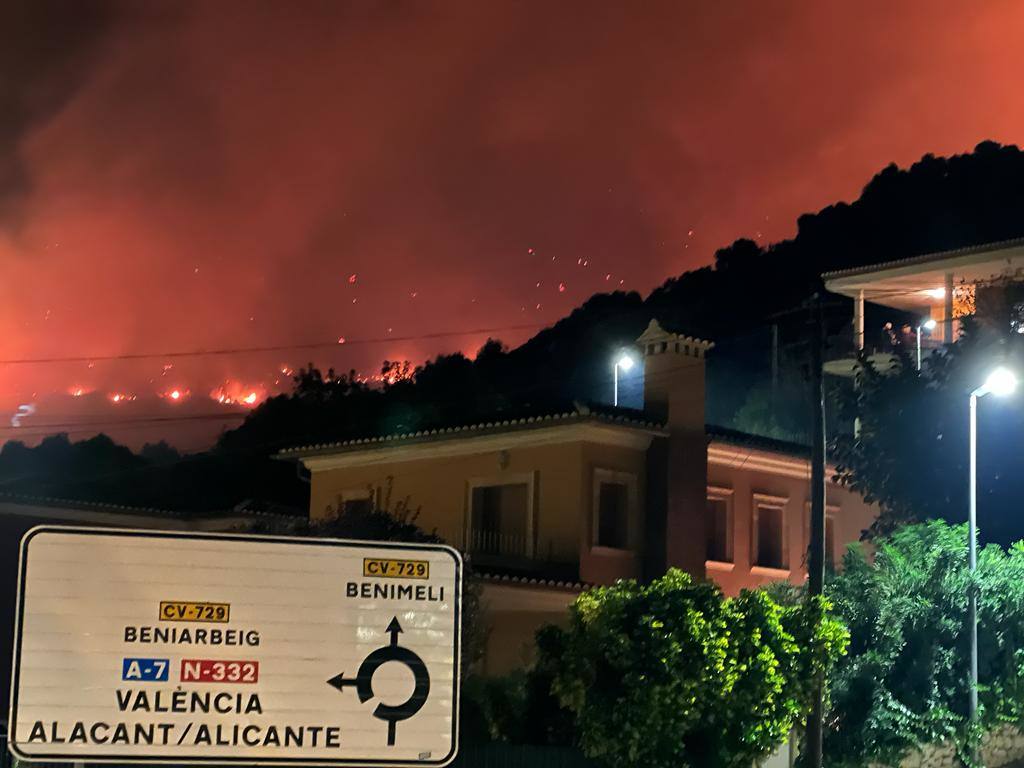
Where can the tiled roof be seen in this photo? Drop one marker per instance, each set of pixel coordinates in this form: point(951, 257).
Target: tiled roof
point(124, 509)
point(527, 581)
point(615, 416)
point(925, 258)
point(99, 506)
point(735, 437)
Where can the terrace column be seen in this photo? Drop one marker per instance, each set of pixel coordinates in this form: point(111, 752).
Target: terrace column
point(947, 311)
point(858, 321)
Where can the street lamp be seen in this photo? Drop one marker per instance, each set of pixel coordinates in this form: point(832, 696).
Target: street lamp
point(1000, 382)
point(928, 325)
point(625, 362)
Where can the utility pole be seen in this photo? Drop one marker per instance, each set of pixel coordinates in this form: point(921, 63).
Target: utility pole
point(816, 552)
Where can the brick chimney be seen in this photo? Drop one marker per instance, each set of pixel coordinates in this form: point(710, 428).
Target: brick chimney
point(674, 368)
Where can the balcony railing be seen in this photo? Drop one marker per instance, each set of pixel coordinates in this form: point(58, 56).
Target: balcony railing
point(880, 342)
point(516, 552)
point(880, 346)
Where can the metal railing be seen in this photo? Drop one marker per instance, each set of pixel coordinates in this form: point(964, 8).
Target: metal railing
point(502, 547)
point(881, 342)
point(484, 542)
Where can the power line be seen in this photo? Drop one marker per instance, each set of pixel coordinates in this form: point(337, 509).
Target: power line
point(270, 348)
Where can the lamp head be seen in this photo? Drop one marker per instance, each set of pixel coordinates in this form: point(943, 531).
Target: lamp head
point(1001, 382)
point(625, 362)
point(929, 324)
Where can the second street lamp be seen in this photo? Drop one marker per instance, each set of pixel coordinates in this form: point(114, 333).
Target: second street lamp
point(1000, 382)
point(625, 362)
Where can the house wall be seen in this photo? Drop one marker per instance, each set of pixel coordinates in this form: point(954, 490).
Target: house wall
point(440, 487)
point(599, 565)
point(512, 614)
point(562, 476)
point(744, 475)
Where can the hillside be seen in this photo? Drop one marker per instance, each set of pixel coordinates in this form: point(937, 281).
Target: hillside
point(936, 204)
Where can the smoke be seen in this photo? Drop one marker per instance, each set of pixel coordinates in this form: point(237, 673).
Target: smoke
point(187, 175)
point(48, 50)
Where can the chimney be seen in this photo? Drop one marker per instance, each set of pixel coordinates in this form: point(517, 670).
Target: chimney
point(674, 368)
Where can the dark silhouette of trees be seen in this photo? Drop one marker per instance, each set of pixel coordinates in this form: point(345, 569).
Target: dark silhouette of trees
point(911, 455)
point(936, 204)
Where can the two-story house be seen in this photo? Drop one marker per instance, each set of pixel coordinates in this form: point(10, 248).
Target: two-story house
point(549, 504)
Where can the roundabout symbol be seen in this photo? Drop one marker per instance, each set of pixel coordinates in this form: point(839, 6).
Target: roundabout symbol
point(363, 681)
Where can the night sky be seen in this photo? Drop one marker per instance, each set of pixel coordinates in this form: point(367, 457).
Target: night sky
point(234, 174)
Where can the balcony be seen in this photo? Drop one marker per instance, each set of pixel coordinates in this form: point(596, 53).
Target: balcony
point(494, 551)
point(881, 348)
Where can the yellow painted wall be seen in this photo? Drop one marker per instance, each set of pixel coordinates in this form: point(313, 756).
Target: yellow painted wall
point(563, 509)
point(512, 615)
point(605, 566)
point(562, 476)
point(850, 513)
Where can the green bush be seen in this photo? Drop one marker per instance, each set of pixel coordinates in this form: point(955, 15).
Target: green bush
point(904, 681)
point(672, 674)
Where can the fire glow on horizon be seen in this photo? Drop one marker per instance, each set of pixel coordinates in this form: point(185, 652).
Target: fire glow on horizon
point(198, 215)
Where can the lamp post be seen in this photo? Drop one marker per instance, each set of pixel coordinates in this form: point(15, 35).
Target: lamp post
point(625, 362)
point(1000, 382)
point(927, 325)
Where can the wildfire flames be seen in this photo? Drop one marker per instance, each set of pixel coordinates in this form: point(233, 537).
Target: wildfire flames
point(237, 393)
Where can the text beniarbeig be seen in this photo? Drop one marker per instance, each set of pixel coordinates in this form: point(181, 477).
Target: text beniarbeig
point(189, 636)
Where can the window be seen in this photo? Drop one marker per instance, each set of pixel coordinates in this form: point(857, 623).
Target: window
point(614, 502)
point(499, 519)
point(770, 533)
point(719, 525)
point(613, 516)
point(354, 501)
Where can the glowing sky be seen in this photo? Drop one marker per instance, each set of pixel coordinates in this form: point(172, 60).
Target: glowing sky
point(214, 175)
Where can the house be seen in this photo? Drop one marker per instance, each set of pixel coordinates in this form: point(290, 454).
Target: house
point(935, 289)
point(550, 504)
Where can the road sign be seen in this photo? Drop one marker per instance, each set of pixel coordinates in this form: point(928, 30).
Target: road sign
point(141, 646)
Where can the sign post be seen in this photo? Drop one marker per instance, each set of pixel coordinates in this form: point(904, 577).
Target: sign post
point(148, 647)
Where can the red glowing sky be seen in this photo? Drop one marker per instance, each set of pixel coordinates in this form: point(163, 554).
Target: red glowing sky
point(211, 174)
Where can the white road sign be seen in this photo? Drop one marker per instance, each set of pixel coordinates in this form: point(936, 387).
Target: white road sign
point(137, 646)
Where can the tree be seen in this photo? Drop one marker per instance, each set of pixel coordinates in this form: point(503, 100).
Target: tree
point(160, 453)
point(672, 674)
point(911, 453)
point(936, 204)
point(903, 683)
